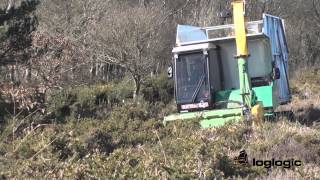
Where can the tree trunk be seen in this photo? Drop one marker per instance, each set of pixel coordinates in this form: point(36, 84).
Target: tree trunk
point(137, 83)
point(13, 73)
point(11, 4)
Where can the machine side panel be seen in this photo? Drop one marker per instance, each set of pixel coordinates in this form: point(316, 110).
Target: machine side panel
point(229, 65)
point(265, 95)
point(273, 28)
point(259, 61)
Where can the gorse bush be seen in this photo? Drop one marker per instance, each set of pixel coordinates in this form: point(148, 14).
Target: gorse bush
point(99, 100)
point(87, 101)
point(158, 88)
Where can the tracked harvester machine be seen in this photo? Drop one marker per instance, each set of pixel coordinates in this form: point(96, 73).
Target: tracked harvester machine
point(230, 72)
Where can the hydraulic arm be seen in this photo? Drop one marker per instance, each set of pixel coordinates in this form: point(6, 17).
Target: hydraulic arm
point(256, 108)
point(242, 51)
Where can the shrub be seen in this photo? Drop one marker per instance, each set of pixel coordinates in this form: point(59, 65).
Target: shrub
point(88, 101)
point(158, 89)
point(25, 151)
point(99, 141)
point(61, 147)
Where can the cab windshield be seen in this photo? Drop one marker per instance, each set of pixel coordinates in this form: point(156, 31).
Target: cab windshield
point(192, 79)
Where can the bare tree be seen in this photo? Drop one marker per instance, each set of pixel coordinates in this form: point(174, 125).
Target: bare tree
point(131, 37)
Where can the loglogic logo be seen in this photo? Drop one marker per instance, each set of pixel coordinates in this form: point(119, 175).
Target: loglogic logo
point(271, 163)
point(243, 159)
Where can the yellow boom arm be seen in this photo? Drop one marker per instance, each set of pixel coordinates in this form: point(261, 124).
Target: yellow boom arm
point(239, 27)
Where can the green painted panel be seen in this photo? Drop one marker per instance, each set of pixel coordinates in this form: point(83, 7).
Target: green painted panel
point(217, 122)
point(229, 96)
point(212, 118)
point(265, 95)
point(219, 113)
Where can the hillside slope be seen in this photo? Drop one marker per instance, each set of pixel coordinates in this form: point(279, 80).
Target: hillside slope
point(131, 142)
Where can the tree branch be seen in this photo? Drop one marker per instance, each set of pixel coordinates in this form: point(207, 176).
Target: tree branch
point(11, 5)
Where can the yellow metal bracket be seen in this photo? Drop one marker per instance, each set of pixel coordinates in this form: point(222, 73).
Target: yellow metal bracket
point(257, 113)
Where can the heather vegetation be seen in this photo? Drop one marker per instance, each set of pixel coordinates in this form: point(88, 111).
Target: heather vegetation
point(99, 131)
point(83, 92)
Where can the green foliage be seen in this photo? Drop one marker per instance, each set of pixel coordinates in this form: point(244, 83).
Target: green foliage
point(19, 23)
point(89, 101)
point(99, 100)
point(158, 88)
point(25, 151)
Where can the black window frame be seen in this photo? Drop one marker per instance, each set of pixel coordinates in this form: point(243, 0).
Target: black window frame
point(207, 78)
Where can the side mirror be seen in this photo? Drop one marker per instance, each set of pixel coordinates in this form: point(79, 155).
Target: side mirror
point(170, 72)
point(276, 73)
